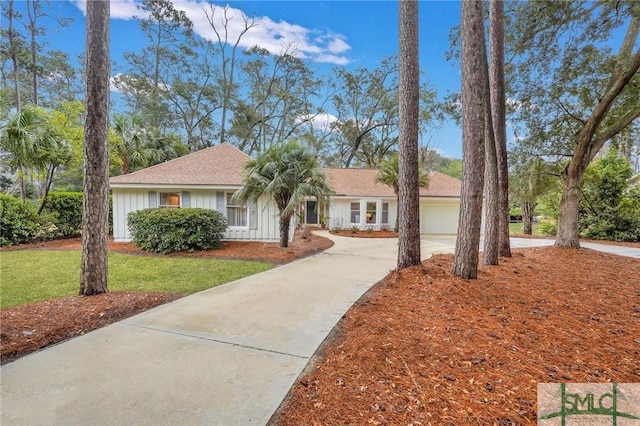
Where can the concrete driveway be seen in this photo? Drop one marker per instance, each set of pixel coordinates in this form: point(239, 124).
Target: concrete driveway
point(225, 356)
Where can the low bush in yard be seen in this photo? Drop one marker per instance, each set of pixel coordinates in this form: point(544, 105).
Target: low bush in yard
point(65, 211)
point(19, 222)
point(164, 230)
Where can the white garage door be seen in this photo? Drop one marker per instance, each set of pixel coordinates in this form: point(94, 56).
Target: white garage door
point(440, 218)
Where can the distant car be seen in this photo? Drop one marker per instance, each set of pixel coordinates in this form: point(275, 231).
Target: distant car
point(515, 218)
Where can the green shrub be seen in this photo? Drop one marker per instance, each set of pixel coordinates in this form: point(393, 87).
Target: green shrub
point(548, 228)
point(18, 221)
point(165, 230)
point(65, 210)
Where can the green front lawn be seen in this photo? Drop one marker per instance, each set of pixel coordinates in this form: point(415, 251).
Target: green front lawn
point(516, 229)
point(34, 275)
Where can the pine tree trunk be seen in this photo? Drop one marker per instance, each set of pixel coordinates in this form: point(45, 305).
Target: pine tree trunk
point(527, 208)
point(409, 108)
point(396, 228)
point(498, 111)
point(95, 220)
point(14, 57)
point(492, 196)
point(465, 263)
point(569, 207)
point(284, 230)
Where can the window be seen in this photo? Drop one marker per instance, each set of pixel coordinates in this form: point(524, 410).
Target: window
point(371, 213)
point(355, 212)
point(236, 213)
point(385, 213)
point(170, 200)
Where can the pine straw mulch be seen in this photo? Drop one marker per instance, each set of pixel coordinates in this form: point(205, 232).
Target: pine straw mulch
point(366, 233)
point(28, 328)
point(303, 245)
point(426, 348)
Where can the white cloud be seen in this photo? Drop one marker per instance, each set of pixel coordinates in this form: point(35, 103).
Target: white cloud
point(119, 9)
point(275, 37)
point(442, 153)
point(321, 121)
point(331, 59)
point(112, 82)
point(119, 83)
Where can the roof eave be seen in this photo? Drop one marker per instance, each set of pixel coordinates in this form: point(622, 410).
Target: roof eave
point(131, 185)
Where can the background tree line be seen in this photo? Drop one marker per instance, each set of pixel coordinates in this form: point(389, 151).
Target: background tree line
point(181, 93)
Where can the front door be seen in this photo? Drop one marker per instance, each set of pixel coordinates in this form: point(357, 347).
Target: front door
point(312, 212)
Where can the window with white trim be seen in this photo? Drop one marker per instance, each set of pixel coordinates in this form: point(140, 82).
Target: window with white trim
point(355, 212)
point(385, 213)
point(170, 200)
point(371, 212)
point(237, 214)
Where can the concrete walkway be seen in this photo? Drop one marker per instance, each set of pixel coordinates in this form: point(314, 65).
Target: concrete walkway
point(225, 356)
point(611, 249)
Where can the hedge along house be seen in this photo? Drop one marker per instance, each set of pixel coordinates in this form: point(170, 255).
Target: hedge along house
point(205, 179)
point(362, 203)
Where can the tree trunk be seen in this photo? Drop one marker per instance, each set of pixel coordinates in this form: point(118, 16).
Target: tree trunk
point(465, 263)
point(33, 16)
point(527, 208)
point(95, 220)
point(14, 56)
point(569, 207)
point(21, 187)
point(498, 111)
point(285, 223)
point(396, 228)
point(47, 188)
point(588, 142)
point(16, 84)
point(409, 109)
point(492, 196)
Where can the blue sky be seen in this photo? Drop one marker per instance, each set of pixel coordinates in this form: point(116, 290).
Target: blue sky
point(353, 34)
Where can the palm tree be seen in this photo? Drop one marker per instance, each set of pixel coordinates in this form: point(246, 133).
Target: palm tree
point(286, 173)
point(132, 146)
point(388, 175)
point(24, 137)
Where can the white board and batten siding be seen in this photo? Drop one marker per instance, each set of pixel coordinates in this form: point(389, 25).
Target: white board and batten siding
point(437, 215)
point(263, 217)
point(340, 213)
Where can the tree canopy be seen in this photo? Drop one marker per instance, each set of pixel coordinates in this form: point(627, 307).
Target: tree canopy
point(287, 173)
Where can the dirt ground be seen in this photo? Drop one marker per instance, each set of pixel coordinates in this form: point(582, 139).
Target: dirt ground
point(28, 328)
point(426, 348)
